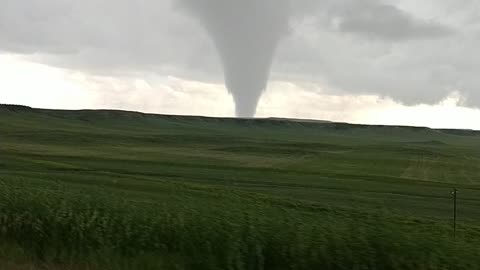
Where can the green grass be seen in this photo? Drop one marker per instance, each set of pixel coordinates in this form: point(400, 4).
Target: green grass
point(123, 190)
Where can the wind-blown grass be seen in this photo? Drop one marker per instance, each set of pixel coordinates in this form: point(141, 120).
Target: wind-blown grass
point(199, 228)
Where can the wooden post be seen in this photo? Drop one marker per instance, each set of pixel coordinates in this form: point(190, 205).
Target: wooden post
point(454, 212)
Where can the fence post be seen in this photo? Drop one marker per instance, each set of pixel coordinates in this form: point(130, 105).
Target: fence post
point(455, 190)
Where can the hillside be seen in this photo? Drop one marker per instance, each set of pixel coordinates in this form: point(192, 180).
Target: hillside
point(333, 163)
point(286, 169)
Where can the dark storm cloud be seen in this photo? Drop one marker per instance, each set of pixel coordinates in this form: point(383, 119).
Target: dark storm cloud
point(110, 35)
point(371, 19)
point(352, 46)
point(387, 22)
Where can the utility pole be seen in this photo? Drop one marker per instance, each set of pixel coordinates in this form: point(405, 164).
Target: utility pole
point(455, 191)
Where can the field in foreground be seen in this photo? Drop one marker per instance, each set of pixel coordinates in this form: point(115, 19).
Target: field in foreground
point(123, 190)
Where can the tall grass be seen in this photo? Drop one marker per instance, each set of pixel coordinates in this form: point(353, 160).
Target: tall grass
point(194, 228)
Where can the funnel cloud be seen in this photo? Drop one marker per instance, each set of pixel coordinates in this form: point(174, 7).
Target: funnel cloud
point(246, 34)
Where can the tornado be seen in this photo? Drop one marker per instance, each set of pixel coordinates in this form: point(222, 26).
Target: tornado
point(246, 34)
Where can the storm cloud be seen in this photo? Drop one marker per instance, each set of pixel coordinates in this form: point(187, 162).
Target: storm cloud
point(413, 52)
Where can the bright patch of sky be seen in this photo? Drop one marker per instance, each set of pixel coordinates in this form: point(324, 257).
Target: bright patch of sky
point(43, 86)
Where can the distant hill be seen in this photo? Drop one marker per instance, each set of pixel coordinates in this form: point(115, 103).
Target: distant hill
point(105, 114)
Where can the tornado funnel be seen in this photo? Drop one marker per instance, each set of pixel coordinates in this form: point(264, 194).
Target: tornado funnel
point(246, 34)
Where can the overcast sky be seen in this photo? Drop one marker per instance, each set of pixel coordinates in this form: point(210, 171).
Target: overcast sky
point(369, 61)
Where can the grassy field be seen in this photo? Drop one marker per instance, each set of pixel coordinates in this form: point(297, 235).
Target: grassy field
point(124, 190)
